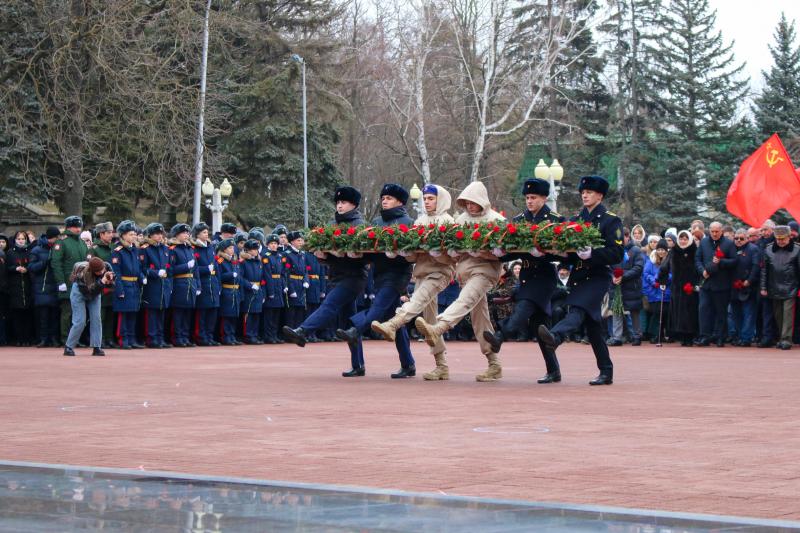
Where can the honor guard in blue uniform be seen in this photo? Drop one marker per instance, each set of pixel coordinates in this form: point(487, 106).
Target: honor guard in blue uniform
point(537, 278)
point(276, 288)
point(185, 285)
point(316, 287)
point(230, 297)
point(127, 266)
point(297, 279)
point(348, 277)
point(391, 278)
point(588, 283)
point(207, 306)
point(158, 291)
point(252, 290)
point(239, 239)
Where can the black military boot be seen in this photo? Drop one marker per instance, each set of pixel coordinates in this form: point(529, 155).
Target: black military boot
point(296, 336)
point(350, 335)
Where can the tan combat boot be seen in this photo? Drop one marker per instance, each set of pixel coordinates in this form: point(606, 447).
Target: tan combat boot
point(494, 372)
point(432, 332)
point(388, 329)
point(441, 372)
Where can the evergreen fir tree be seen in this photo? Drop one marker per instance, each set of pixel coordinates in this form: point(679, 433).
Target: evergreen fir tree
point(777, 109)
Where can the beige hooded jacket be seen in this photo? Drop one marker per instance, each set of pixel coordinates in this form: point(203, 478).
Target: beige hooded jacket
point(427, 264)
point(468, 266)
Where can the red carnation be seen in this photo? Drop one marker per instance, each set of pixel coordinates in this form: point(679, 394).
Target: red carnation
point(351, 230)
point(738, 284)
point(390, 231)
point(371, 235)
point(618, 272)
point(337, 232)
point(558, 230)
point(476, 226)
point(167, 265)
point(308, 267)
point(495, 229)
point(197, 256)
point(152, 265)
point(443, 228)
point(431, 225)
point(688, 288)
point(476, 235)
point(288, 265)
point(321, 231)
point(459, 234)
point(403, 228)
point(587, 224)
point(511, 228)
point(421, 231)
point(656, 285)
point(535, 227)
point(263, 282)
point(578, 229)
point(719, 254)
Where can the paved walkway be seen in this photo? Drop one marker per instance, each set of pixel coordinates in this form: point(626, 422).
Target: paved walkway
point(695, 430)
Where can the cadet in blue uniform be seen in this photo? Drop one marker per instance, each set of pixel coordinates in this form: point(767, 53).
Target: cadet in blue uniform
point(297, 279)
point(226, 231)
point(283, 242)
point(537, 278)
point(207, 306)
point(276, 289)
point(185, 285)
point(158, 291)
point(589, 281)
point(391, 276)
point(316, 288)
point(252, 290)
point(348, 278)
point(230, 297)
point(127, 268)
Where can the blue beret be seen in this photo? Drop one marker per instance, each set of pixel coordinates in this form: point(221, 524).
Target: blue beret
point(430, 189)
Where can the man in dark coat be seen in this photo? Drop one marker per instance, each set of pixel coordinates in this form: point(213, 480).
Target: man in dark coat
point(276, 289)
point(157, 293)
point(66, 253)
point(391, 277)
point(348, 277)
point(45, 289)
point(742, 320)
point(207, 303)
point(185, 285)
point(780, 280)
point(537, 278)
point(765, 321)
point(130, 279)
point(297, 279)
point(589, 282)
point(715, 261)
point(632, 266)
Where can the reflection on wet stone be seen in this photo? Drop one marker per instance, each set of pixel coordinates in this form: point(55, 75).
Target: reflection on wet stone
point(35, 498)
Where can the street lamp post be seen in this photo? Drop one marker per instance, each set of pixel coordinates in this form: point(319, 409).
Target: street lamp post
point(200, 148)
point(302, 62)
point(554, 173)
point(415, 193)
point(216, 201)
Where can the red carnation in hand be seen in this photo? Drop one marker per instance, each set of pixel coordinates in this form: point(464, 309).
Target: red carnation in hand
point(719, 254)
point(738, 284)
point(308, 267)
point(371, 235)
point(337, 232)
point(197, 256)
point(152, 265)
point(511, 228)
point(442, 228)
point(390, 231)
point(167, 265)
point(351, 230)
point(459, 234)
point(618, 272)
point(688, 288)
point(476, 235)
point(558, 230)
point(288, 265)
point(656, 285)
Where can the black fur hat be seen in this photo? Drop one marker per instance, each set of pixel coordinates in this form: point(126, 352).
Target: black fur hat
point(594, 183)
point(126, 226)
point(396, 191)
point(73, 222)
point(347, 194)
point(224, 244)
point(152, 228)
point(228, 227)
point(292, 235)
point(272, 237)
point(200, 226)
point(251, 244)
point(536, 186)
point(177, 229)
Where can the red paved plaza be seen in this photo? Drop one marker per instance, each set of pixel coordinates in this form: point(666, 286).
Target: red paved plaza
point(696, 430)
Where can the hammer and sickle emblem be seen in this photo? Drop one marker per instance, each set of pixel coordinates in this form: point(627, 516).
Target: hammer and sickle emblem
point(772, 156)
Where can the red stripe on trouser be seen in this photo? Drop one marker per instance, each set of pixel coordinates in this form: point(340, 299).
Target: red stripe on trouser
point(197, 325)
point(119, 328)
point(244, 325)
point(172, 326)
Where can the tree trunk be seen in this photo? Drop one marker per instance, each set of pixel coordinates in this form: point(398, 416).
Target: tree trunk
point(72, 198)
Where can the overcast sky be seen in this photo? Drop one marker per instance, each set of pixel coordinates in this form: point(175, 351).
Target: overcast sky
point(751, 25)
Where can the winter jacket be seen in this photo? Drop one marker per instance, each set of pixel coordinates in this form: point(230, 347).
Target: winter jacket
point(780, 271)
point(346, 270)
point(720, 274)
point(128, 275)
point(209, 278)
point(158, 291)
point(748, 268)
point(89, 284)
point(45, 289)
point(683, 311)
point(393, 272)
point(488, 265)
point(650, 280)
point(230, 297)
point(296, 276)
point(185, 278)
point(66, 253)
point(427, 264)
point(633, 267)
point(20, 293)
point(252, 283)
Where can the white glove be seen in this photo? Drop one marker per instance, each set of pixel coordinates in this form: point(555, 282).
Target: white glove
point(536, 253)
point(293, 295)
point(322, 295)
point(144, 281)
point(197, 293)
point(162, 273)
point(254, 286)
point(190, 264)
point(286, 289)
point(62, 287)
point(305, 285)
point(211, 268)
point(271, 296)
point(585, 253)
point(235, 275)
point(371, 296)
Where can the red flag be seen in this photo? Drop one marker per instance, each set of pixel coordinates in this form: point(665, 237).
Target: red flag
point(766, 182)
